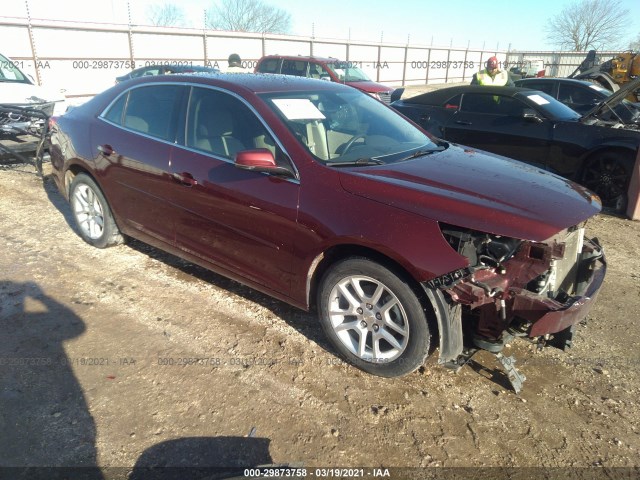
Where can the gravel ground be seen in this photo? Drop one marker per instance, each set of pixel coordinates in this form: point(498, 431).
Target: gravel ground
point(125, 356)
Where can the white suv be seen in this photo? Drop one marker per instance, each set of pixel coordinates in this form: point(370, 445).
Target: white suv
point(19, 89)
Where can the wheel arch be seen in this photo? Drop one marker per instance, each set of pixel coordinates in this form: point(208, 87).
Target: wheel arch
point(623, 155)
point(329, 257)
point(71, 172)
point(616, 148)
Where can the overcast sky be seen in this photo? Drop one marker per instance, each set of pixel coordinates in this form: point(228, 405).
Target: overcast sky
point(498, 24)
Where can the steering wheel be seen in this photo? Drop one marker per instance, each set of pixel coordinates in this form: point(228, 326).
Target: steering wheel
point(350, 143)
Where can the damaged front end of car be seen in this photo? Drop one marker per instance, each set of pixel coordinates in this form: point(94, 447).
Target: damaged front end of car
point(512, 287)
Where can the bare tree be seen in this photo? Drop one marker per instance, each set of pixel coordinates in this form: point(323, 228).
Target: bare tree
point(166, 15)
point(589, 24)
point(248, 16)
point(635, 45)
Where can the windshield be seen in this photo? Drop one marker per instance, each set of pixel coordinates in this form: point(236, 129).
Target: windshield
point(348, 127)
point(548, 105)
point(9, 72)
point(347, 72)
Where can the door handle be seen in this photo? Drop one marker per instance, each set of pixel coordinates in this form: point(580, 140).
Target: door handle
point(106, 149)
point(185, 178)
point(463, 122)
point(425, 118)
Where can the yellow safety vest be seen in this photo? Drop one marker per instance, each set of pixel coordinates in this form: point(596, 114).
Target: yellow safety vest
point(501, 78)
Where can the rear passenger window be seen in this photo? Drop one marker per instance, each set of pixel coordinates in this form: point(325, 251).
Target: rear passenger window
point(453, 103)
point(270, 65)
point(294, 67)
point(114, 114)
point(152, 110)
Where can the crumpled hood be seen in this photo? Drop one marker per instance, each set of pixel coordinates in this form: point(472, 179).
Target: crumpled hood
point(477, 190)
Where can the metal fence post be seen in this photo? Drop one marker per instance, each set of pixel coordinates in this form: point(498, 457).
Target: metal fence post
point(131, 55)
point(32, 41)
point(404, 66)
point(464, 65)
point(204, 45)
point(446, 75)
point(426, 79)
point(378, 65)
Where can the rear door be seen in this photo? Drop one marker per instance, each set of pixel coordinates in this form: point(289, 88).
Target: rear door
point(134, 140)
point(496, 123)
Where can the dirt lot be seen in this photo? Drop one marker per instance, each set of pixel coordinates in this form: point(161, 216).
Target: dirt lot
point(97, 368)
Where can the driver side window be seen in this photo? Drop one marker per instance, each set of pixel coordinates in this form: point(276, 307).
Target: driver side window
point(222, 125)
point(492, 104)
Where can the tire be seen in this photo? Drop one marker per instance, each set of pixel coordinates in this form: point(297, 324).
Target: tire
point(92, 214)
point(373, 318)
point(608, 175)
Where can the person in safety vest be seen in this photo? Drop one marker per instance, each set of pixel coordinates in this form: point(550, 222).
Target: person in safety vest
point(492, 75)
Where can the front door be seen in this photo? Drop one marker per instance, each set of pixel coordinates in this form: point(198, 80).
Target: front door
point(240, 220)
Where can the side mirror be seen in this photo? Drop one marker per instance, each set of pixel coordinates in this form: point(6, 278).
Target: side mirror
point(260, 160)
point(530, 115)
point(396, 94)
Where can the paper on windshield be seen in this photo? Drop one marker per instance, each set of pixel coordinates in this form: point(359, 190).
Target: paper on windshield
point(298, 109)
point(538, 99)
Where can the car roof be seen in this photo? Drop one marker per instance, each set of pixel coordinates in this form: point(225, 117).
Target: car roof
point(250, 82)
point(554, 79)
point(176, 66)
point(304, 58)
point(438, 97)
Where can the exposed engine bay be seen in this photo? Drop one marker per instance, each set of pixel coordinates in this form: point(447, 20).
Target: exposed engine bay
point(512, 287)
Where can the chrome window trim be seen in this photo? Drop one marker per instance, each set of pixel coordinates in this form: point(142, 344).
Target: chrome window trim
point(102, 114)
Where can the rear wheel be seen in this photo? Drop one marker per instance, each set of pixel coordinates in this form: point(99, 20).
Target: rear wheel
point(608, 175)
point(373, 318)
point(92, 214)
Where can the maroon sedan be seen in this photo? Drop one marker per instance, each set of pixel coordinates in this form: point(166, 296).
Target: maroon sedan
point(317, 194)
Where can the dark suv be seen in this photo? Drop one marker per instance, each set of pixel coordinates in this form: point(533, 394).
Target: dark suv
point(330, 69)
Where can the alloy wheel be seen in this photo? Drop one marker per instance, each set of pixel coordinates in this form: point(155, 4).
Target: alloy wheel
point(368, 319)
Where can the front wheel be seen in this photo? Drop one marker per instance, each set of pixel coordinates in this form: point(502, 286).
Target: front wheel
point(373, 318)
point(91, 213)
